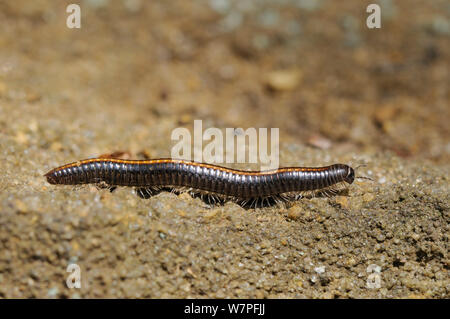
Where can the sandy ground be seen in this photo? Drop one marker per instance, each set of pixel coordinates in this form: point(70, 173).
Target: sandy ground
point(136, 70)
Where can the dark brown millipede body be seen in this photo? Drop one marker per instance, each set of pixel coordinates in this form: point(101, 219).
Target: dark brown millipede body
point(202, 177)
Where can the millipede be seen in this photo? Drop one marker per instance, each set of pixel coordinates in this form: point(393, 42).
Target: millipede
point(217, 183)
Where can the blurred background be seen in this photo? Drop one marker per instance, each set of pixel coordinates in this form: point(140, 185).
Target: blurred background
point(137, 69)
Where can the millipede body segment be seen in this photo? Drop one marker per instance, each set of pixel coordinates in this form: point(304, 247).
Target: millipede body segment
point(205, 178)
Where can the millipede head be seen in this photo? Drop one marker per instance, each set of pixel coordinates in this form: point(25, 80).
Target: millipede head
point(350, 176)
point(51, 178)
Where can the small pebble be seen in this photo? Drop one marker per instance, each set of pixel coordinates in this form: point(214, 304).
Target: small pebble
point(294, 213)
point(21, 207)
point(320, 270)
point(283, 80)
